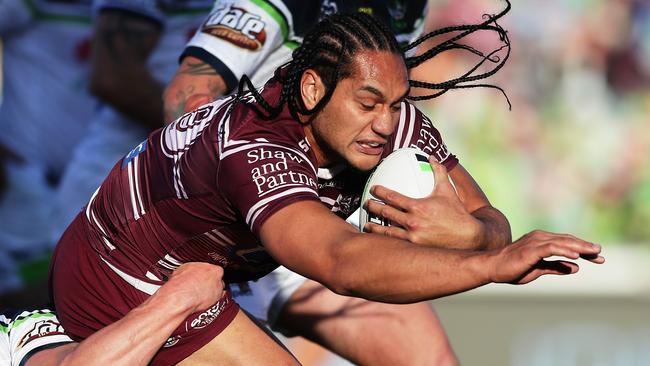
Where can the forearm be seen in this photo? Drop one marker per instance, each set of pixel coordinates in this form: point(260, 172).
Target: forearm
point(136, 95)
point(390, 270)
point(495, 232)
point(134, 339)
point(119, 71)
point(195, 83)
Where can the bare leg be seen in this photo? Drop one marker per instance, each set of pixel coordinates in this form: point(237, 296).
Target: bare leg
point(365, 332)
point(241, 343)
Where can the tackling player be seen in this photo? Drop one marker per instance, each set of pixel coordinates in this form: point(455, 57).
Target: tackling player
point(36, 338)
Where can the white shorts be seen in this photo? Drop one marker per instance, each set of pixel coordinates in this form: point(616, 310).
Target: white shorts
point(265, 298)
point(30, 332)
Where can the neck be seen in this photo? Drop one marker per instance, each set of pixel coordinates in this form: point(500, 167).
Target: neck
point(321, 157)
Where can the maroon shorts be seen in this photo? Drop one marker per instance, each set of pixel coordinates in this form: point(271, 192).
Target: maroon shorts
point(88, 296)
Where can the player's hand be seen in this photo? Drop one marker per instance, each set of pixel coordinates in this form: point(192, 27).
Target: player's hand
point(523, 261)
point(439, 219)
point(200, 284)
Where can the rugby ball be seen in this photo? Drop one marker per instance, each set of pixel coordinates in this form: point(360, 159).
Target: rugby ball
point(406, 171)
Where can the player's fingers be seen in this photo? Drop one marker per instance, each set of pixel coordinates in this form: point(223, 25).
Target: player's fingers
point(543, 268)
point(595, 258)
point(544, 239)
point(389, 213)
point(392, 198)
point(441, 176)
point(391, 231)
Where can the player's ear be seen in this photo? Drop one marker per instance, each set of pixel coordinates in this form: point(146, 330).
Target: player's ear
point(311, 88)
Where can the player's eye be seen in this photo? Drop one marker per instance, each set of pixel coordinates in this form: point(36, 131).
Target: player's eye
point(367, 106)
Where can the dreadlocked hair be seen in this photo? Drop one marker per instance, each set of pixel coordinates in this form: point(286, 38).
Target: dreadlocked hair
point(329, 49)
point(489, 24)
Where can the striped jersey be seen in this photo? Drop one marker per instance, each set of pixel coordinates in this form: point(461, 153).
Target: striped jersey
point(200, 189)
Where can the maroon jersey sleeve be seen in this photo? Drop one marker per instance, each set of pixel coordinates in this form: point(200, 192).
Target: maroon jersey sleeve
point(259, 178)
point(416, 130)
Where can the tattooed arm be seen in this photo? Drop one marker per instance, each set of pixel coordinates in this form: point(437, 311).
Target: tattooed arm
point(119, 76)
point(195, 83)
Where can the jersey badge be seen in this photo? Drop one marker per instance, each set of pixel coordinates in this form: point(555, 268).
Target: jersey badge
point(237, 26)
point(133, 153)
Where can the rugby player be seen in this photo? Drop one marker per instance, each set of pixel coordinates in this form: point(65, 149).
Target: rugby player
point(234, 183)
point(220, 53)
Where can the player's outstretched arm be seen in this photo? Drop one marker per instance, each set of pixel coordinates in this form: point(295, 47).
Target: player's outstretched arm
point(458, 216)
point(119, 72)
point(195, 83)
point(135, 339)
point(312, 241)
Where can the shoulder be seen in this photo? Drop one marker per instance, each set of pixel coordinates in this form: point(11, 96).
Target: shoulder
point(416, 130)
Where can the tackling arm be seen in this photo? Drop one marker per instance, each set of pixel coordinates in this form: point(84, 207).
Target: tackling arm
point(134, 339)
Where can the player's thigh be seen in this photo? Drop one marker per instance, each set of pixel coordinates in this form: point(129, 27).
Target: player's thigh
point(241, 343)
point(367, 332)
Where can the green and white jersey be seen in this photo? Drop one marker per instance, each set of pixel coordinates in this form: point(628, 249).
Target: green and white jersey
point(254, 37)
point(30, 332)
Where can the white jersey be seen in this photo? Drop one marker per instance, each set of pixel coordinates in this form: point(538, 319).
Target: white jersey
point(46, 105)
point(254, 37)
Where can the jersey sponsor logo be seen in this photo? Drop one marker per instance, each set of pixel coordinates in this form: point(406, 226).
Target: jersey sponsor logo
point(171, 341)
point(429, 143)
point(271, 170)
point(43, 328)
point(237, 26)
point(207, 317)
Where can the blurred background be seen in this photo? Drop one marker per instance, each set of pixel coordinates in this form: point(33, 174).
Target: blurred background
point(573, 155)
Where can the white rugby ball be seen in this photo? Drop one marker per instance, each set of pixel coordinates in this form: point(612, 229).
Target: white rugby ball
point(406, 171)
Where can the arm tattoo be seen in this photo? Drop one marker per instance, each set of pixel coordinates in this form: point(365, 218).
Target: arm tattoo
point(199, 68)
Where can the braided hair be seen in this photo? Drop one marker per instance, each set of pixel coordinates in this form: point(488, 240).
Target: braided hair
point(330, 46)
point(489, 24)
point(328, 49)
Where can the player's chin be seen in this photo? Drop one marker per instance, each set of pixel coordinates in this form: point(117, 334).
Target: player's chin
point(365, 159)
point(365, 162)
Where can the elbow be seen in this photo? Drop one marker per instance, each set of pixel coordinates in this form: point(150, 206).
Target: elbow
point(344, 278)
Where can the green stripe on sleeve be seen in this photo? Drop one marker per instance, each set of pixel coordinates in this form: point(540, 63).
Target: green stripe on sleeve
point(66, 18)
point(274, 13)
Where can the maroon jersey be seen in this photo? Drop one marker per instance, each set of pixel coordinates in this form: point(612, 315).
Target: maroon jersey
point(200, 189)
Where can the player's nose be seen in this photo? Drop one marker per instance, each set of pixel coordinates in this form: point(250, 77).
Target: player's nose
point(384, 123)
